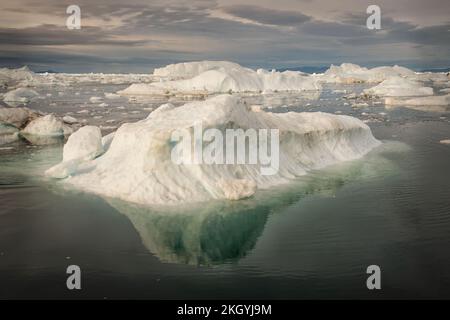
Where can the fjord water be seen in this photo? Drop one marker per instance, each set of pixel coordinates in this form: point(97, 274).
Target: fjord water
point(311, 239)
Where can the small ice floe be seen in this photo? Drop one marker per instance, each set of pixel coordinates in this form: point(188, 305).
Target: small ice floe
point(445, 90)
point(95, 99)
point(112, 96)
point(445, 141)
point(83, 111)
point(17, 117)
point(103, 105)
point(70, 120)
point(360, 105)
point(350, 96)
point(47, 125)
point(107, 128)
point(20, 96)
point(340, 91)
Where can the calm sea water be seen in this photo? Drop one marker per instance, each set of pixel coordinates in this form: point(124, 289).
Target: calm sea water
point(311, 239)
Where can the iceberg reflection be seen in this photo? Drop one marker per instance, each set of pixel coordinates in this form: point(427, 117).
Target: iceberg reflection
point(206, 235)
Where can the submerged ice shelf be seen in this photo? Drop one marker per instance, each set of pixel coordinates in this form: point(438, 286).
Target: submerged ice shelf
point(137, 166)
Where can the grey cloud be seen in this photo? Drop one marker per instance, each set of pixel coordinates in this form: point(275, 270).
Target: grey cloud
point(267, 16)
point(58, 35)
point(334, 29)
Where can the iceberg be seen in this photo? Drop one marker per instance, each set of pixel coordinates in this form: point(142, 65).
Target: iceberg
point(138, 168)
point(221, 78)
point(186, 70)
point(348, 73)
point(399, 87)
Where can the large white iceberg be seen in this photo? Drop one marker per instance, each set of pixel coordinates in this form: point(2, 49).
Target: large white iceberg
point(224, 77)
point(399, 87)
point(138, 166)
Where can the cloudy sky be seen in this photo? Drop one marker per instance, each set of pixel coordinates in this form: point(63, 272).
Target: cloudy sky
point(138, 35)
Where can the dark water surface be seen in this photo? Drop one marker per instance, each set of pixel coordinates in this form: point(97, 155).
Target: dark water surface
point(312, 239)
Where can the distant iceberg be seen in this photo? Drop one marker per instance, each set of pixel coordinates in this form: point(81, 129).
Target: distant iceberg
point(137, 166)
point(348, 73)
point(220, 77)
point(420, 101)
point(399, 87)
point(187, 70)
